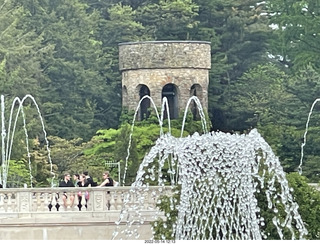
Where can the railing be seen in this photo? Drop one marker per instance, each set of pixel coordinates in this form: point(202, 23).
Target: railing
point(95, 199)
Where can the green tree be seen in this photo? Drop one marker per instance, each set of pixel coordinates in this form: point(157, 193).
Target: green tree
point(76, 93)
point(21, 53)
point(259, 98)
point(242, 34)
point(296, 24)
point(170, 20)
point(125, 145)
point(18, 174)
point(304, 86)
point(67, 156)
point(308, 199)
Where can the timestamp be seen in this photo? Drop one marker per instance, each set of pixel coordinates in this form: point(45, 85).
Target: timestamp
point(159, 241)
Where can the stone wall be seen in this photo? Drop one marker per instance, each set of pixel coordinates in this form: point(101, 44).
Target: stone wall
point(69, 226)
point(156, 64)
point(164, 54)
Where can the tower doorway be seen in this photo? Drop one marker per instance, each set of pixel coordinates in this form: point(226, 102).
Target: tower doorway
point(195, 90)
point(145, 104)
point(170, 92)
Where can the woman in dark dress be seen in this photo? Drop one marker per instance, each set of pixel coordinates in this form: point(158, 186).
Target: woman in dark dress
point(83, 183)
point(107, 180)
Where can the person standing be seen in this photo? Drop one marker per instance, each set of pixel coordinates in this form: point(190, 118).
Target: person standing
point(76, 179)
point(66, 183)
point(83, 182)
point(89, 179)
point(108, 181)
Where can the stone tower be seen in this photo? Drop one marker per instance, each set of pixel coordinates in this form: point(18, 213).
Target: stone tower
point(173, 69)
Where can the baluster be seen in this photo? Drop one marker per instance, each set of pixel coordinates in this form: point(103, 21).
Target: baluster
point(50, 201)
point(76, 202)
point(42, 203)
point(153, 199)
point(65, 201)
point(127, 198)
point(83, 202)
point(119, 201)
point(9, 203)
point(142, 200)
point(122, 198)
point(112, 201)
point(5, 202)
point(46, 200)
point(108, 198)
point(2, 195)
point(14, 202)
point(70, 201)
point(73, 206)
point(36, 204)
point(33, 201)
point(81, 196)
point(133, 198)
point(88, 196)
point(60, 202)
point(54, 202)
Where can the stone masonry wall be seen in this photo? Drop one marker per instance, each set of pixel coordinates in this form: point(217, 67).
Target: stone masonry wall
point(158, 78)
point(155, 64)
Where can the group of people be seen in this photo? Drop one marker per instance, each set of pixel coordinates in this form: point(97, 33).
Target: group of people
point(83, 180)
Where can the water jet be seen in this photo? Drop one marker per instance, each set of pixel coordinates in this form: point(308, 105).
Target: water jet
point(7, 136)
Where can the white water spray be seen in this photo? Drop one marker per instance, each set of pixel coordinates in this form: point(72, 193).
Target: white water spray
point(164, 108)
point(219, 175)
point(305, 135)
point(7, 145)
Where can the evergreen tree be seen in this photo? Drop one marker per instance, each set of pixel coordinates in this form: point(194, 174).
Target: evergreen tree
point(77, 94)
point(297, 25)
point(242, 32)
point(21, 53)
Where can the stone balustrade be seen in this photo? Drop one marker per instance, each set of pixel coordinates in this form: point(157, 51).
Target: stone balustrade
point(40, 213)
point(32, 200)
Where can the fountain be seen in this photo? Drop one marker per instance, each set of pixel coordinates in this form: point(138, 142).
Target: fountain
point(218, 178)
point(305, 135)
point(164, 107)
point(6, 145)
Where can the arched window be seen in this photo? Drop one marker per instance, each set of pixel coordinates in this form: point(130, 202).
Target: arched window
point(145, 104)
point(196, 90)
point(170, 92)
